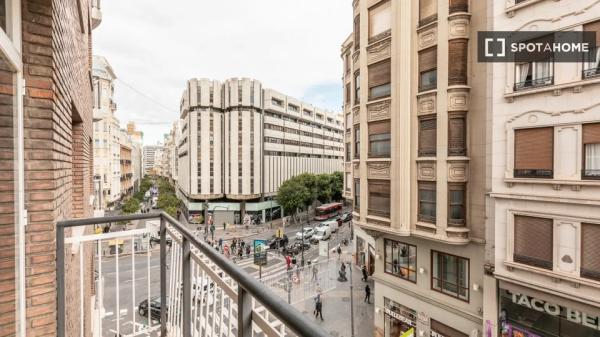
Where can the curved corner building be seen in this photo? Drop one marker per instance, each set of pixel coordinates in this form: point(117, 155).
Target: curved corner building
point(240, 142)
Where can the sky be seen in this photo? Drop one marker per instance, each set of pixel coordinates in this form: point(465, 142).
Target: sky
point(292, 46)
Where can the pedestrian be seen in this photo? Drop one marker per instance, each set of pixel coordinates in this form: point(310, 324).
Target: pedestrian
point(298, 272)
point(368, 294)
point(339, 251)
point(220, 242)
point(248, 250)
point(364, 273)
point(288, 261)
point(226, 251)
point(212, 232)
point(319, 308)
point(240, 252)
point(243, 243)
point(315, 271)
point(224, 226)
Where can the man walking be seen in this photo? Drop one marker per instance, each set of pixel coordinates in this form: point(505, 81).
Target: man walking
point(339, 251)
point(364, 273)
point(319, 308)
point(212, 231)
point(368, 294)
point(315, 271)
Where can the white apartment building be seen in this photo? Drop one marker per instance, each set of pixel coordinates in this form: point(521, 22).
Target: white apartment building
point(239, 142)
point(149, 157)
point(106, 133)
point(136, 154)
point(543, 266)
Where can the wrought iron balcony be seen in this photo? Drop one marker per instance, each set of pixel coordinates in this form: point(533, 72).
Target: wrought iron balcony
point(196, 291)
point(533, 173)
point(590, 174)
point(534, 83)
point(591, 72)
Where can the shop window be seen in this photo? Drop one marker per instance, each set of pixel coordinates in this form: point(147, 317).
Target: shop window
point(401, 260)
point(450, 275)
point(399, 320)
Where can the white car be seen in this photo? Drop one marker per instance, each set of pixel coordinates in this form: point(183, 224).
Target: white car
point(321, 233)
point(308, 233)
point(332, 224)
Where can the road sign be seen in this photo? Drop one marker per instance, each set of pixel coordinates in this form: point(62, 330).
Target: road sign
point(279, 233)
point(324, 248)
point(260, 252)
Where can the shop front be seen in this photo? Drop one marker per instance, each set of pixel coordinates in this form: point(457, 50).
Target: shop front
point(399, 320)
point(529, 313)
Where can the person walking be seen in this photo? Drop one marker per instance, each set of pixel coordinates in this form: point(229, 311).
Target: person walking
point(319, 308)
point(248, 250)
point(339, 251)
point(368, 294)
point(212, 232)
point(315, 271)
point(364, 273)
point(220, 243)
point(226, 251)
point(288, 261)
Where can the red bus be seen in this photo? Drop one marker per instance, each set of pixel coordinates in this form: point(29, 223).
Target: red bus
point(327, 211)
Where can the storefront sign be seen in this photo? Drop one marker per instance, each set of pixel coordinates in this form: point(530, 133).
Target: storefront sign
point(399, 317)
point(260, 252)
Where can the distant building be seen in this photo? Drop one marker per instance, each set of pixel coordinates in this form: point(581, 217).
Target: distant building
point(240, 142)
point(136, 154)
point(149, 158)
point(126, 164)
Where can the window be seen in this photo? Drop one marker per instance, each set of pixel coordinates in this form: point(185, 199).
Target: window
point(379, 79)
point(277, 102)
point(348, 152)
point(292, 108)
point(380, 18)
point(534, 153)
point(533, 241)
point(535, 74)
point(591, 148)
point(427, 203)
point(427, 136)
point(456, 204)
point(357, 33)
point(401, 260)
point(591, 60)
point(428, 69)
point(450, 275)
point(379, 139)
point(456, 6)
point(457, 135)
point(427, 11)
point(590, 251)
point(347, 62)
point(357, 194)
point(356, 88)
point(348, 94)
point(356, 143)
point(458, 54)
point(379, 198)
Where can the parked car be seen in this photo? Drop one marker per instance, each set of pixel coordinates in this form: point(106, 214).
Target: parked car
point(154, 310)
point(155, 239)
point(276, 242)
point(321, 233)
point(296, 248)
point(346, 216)
point(307, 234)
point(332, 224)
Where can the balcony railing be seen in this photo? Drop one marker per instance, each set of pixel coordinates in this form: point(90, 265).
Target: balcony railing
point(533, 173)
point(200, 292)
point(590, 174)
point(534, 83)
point(591, 72)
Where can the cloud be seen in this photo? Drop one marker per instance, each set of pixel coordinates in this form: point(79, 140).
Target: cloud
point(290, 46)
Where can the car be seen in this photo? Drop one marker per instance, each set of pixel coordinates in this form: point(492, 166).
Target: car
point(276, 242)
point(155, 239)
point(307, 234)
point(332, 224)
point(296, 248)
point(346, 216)
point(321, 233)
point(155, 306)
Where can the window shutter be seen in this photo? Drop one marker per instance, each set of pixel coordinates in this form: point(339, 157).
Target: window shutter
point(427, 8)
point(380, 18)
point(379, 128)
point(428, 59)
point(458, 54)
point(357, 33)
point(347, 92)
point(379, 73)
point(593, 27)
point(533, 241)
point(591, 132)
point(427, 137)
point(457, 134)
point(590, 250)
point(376, 186)
point(458, 6)
point(534, 148)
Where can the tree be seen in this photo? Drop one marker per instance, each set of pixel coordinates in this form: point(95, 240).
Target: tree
point(292, 195)
point(337, 185)
point(131, 206)
point(324, 187)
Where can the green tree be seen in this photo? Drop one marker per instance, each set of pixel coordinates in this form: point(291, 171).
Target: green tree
point(293, 195)
point(130, 206)
point(337, 185)
point(324, 187)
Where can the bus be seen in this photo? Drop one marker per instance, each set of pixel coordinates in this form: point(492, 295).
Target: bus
point(328, 211)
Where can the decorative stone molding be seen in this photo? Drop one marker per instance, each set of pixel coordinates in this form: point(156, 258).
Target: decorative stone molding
point(379, 50)
point(356, 172)
point(458, 27)
point(426, 170)
point(455, 234)
point(348, 167)
point(355, 7)
point(426, 104)
point(356, 60)
point(427, 38)
point(379, 110)
point(377, 222)
point(378, 170)
point(356, 115)
point(458, 171)
point(458, 99)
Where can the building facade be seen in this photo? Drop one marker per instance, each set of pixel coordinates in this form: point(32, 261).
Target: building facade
point(149, 158)
point(46, 163)
point(415, 117)
point(544, 219)
point(239, 142)
point(107, 133)
point(136, 154)
point(126, 167)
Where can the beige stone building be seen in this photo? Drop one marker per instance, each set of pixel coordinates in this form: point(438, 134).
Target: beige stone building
point(239, 142)
point(415, 114)
point(544, 219)
point(126, 164)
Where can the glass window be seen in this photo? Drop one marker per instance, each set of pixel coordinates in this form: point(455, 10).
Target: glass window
point(356, 142)
point(356, 194)
point(456, 207)
point(398, 319)
point(380, 18)
point(450, 275)
point(401, 260)
point(379, 198)
point(356, 88)
point(379, 139)
point(427, 201)
point(428, 80)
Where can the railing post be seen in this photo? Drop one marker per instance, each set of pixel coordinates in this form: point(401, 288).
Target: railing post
point(187, 293)
point(60, 281)
point(163, 279)
point(244, 313)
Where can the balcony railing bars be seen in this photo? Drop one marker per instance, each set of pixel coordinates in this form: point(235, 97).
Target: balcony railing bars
point(205, 294)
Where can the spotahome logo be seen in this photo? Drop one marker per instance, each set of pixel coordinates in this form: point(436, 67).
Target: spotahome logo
point(535, 46)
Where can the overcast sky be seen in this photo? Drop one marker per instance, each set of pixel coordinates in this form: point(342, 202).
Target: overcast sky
point(155, 46)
